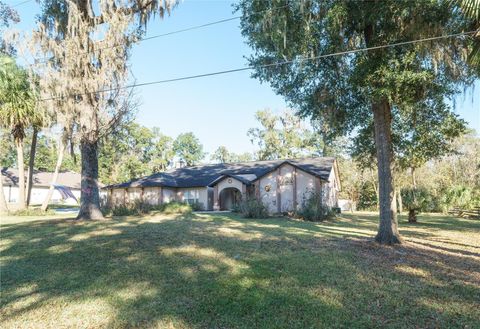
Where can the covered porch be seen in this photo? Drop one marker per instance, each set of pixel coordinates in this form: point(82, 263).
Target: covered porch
point(229, 191)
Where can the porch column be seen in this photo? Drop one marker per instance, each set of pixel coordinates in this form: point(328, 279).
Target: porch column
point(216, 203)
point(142, 191)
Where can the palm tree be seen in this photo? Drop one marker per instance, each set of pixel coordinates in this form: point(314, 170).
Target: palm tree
point(471, 9)
point(17, 111)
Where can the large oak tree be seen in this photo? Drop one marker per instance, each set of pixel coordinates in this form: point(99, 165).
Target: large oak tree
point(87, 45)
point(345, 90)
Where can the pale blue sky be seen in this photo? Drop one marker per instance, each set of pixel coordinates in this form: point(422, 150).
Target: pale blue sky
point(220, 109)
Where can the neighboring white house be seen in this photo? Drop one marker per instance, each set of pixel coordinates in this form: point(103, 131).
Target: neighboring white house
point(282, 185)
point(347, 205)
point(41, 183)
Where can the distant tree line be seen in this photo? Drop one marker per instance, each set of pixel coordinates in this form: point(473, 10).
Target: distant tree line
point(440, 183)
point(132, 150)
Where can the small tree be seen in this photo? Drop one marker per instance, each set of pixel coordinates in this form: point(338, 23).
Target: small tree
point(415, 200)
point(163, 152)
point(87, 44)
point(282, 136)
point(222, 155)
point(188, 149)
point(18, 111)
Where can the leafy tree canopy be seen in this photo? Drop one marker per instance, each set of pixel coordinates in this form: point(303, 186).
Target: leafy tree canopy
point(188, 149)
point(344, 91)
point(222, 155)
point(8, 16)
point(283, 136)
point(338, 89)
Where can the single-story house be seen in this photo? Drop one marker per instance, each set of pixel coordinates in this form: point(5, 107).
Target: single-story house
point(66, 181)
point(281, 185)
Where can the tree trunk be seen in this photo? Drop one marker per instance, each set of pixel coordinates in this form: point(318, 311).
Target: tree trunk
point(21, 174)
point(3, 202)
point(400, 201)
point(72, 152)
point(375, 188)
point(388, 228)
point(414, 178)
point(90, 198)
point(412, 216)
point(31, 162)
point(61, 151)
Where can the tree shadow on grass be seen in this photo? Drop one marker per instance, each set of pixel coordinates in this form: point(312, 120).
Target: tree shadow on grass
point(223, 271)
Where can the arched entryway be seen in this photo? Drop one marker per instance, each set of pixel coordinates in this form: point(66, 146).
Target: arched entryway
point(229, 198)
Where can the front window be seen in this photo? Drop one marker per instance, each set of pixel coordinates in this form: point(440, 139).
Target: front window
point(190, 196)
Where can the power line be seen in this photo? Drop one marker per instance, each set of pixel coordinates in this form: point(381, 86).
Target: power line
point(20, 3)
point(341, 53)
point(194, 27)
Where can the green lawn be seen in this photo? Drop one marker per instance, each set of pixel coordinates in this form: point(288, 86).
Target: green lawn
point(222, 271)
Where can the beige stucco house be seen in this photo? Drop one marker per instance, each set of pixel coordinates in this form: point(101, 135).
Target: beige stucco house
point(281, 184)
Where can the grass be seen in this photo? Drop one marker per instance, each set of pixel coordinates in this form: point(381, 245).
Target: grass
point(222, 271)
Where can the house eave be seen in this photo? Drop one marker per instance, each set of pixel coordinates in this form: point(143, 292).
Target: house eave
point(293, 165)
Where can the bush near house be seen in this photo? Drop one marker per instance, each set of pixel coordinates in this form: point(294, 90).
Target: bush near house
point(313, 209)
point(252, 208)
point(139, 208)
point(178, 208)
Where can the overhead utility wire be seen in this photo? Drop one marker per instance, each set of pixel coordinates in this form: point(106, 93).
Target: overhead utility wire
point(341, 53)
point(195, 27)
point(20, 3)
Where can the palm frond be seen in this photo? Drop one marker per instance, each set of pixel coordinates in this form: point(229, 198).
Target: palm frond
point(471, 8)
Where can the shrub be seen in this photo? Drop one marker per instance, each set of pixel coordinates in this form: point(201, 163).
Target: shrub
point(106, 210)
point(143, 207)
point(197, 206)
point(176, 207)
point(139, 208)
point(124, 211)
point(32, 212)
point(252, 208)
point(459, 196)
point(312, 208)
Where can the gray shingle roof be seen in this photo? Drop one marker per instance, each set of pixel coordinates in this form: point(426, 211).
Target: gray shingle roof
point(42, 178)
point(205, 175)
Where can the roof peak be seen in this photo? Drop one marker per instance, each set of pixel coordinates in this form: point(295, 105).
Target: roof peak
point(204, 175)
